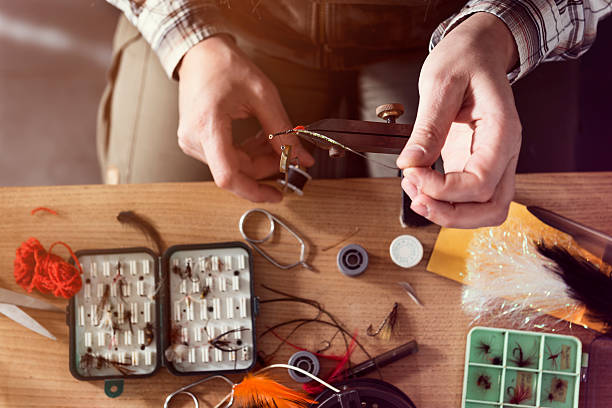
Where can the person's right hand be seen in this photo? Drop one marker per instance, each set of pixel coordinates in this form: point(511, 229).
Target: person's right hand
point(218, 83)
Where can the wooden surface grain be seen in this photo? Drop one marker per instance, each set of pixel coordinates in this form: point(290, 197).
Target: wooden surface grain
point(34, 370)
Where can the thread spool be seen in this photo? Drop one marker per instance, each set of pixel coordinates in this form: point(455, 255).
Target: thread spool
point(406, 251)
point(352, 260)
point(307, 362)
point(296, 179)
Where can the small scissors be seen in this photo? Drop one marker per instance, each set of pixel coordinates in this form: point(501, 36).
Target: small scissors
point(273, 220)
point(9, 302)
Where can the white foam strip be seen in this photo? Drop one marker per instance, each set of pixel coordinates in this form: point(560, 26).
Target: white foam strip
point(230, 307)
point(134, 311)
point(216, 308)
point(88, 339)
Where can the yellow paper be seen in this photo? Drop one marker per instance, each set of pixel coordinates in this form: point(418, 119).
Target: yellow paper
point(451, 252)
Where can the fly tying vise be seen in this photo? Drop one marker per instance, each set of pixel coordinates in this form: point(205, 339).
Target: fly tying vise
point(231, 396)
point(273, 221)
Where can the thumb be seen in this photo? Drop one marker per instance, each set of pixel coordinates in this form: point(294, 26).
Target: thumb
point(438, 107)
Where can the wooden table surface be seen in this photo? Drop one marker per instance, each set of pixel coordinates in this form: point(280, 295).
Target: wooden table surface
point(34, 370)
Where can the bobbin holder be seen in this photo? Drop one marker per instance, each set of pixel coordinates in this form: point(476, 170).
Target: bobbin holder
point(135, 304)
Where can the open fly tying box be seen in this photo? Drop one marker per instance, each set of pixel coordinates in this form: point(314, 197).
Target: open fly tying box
point(512, 368)
point(191, 310)
point(507, 368)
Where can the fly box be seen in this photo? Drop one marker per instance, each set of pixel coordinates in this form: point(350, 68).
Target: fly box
point(191, 310)
point(507, 368)
point(512, 368)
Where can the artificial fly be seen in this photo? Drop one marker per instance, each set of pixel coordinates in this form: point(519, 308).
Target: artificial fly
point(484, 381)
point(552, 357)
point(387, 326)
point(313, 137)
point(518, 394)
point(222, 343)
point(89, 360)
point(519, 358)
point(486, 350)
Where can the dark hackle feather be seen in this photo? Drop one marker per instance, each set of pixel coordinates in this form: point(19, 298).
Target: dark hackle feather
point(586, 283)
point(144, 225)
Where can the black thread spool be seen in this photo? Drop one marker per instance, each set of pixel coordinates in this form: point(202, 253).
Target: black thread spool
point(296, 179)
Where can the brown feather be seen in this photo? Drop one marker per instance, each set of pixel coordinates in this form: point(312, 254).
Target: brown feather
point(143, 225)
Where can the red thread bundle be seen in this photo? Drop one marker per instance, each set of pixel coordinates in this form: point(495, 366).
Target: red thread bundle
point(34, 267)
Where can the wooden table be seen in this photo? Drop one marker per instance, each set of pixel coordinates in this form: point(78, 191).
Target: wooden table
point(34, 370)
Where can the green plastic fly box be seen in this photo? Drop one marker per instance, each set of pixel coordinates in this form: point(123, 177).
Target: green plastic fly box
point(191, 310)
point(511, 368)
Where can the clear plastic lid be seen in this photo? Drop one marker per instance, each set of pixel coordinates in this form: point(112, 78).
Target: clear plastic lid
point(599, 373)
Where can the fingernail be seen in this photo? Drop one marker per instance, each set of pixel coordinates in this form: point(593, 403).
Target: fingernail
point(409, 188)
point(420, 209)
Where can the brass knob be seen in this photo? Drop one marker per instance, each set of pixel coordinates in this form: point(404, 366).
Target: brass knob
point(390, 111)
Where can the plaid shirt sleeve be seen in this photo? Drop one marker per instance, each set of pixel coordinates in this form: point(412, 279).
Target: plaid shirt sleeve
point(172, 27)
point(544, 30)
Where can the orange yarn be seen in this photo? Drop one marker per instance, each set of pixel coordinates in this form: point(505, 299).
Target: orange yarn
point(50, 211)
point(34, 267)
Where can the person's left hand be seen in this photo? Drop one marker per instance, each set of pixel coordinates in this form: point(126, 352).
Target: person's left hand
point(466, 113)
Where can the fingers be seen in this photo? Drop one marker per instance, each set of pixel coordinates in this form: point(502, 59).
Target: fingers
point(470, 215)
point(225, 165)
point(494, 145)
point(258, 166)
point(273, 118)
point(441, 97)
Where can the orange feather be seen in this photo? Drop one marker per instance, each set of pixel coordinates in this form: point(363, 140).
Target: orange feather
point(259, 391)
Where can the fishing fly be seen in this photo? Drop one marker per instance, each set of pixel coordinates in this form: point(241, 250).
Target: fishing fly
point(222, 343)
point(519, 358)
point(89, 360)
point(518, 394)
point(387, 326)
point(484, 381)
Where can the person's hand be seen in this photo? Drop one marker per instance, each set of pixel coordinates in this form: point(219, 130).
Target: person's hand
point(466, 113)
point(219, 83)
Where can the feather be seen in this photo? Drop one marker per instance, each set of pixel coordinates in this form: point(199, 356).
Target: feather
point(144, 225)
point(586, 282)
point(259, 391)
